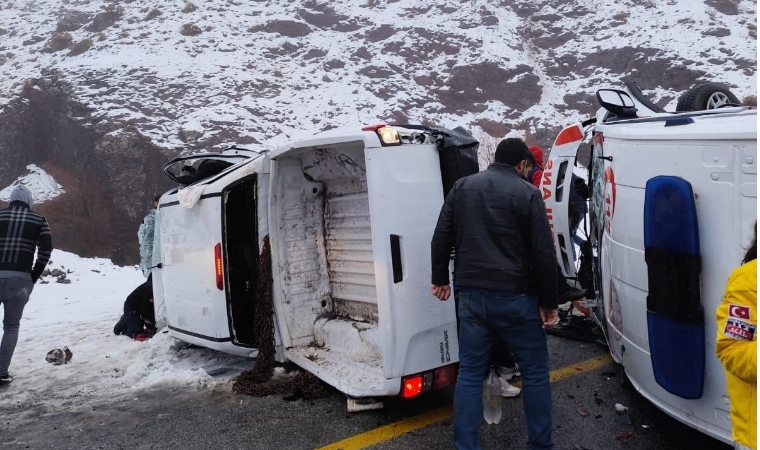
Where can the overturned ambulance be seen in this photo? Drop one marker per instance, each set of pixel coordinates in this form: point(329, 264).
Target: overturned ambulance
point(673, 203)
point(349, 214)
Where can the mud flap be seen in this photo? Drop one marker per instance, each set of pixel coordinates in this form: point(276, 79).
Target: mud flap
point(675, 317)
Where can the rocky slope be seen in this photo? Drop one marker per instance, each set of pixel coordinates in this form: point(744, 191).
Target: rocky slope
point(112, 89)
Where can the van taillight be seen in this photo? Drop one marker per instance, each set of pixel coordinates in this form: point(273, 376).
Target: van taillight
point(444, 376)
point(414, 385)
point(218, 267)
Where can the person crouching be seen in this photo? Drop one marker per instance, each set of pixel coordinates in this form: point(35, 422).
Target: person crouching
point(139, 319)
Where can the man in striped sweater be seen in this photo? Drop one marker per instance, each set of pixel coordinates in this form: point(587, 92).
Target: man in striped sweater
point(22, 231)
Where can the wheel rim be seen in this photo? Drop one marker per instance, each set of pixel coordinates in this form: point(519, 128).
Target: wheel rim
point(717, 100)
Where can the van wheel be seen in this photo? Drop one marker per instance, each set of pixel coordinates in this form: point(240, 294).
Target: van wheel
point(706, 96)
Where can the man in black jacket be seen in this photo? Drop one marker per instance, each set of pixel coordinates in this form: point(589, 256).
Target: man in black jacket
point(21, 233)
point(505, 271)
point(139, 319)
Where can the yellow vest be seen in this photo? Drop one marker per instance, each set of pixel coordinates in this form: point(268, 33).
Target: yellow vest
point(736, 347)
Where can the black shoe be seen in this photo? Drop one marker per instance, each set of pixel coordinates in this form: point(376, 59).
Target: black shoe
point(120, 326)
point(572, 294)
point(5, 380)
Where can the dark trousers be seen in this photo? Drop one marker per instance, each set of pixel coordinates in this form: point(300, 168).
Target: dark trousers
point(14, 294)
point(487, 316)
point(501, 354)
point(134, 324)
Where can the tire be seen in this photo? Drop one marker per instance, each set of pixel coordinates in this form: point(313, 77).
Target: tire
point(706, 96)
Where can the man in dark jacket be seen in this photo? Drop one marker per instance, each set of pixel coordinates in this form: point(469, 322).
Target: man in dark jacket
point(22, 231)
point(139, 318)
point(506, 273)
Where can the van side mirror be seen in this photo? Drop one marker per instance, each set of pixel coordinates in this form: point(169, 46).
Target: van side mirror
point(617, 102)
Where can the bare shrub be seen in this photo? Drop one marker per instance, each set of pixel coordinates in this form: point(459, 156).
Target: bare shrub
point(487, 149)
point(153, 13)
point(190, 29)
point(80, 47)
point(59, 41)
point(750, 100)
point(52, 82)
point(189, 7)
point(114, 8)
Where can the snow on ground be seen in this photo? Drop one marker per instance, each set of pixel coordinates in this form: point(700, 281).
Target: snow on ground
point(81, 316)
point(43, 186)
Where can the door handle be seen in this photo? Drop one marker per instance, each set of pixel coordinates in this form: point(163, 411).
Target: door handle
point(398, 273)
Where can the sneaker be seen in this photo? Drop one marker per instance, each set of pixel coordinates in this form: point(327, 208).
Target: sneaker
point(5, 380)
point(507, 373)
point(120, 326)
point(507, 390)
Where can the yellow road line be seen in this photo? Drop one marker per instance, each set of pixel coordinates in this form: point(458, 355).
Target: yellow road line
point(391, 430)
point(387, 432)
point(575, 369)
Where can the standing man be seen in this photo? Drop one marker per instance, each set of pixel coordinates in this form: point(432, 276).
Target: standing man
point(507, 279)
point(21, 232)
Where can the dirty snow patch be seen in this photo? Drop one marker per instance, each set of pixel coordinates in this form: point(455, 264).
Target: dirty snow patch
point(81, 316)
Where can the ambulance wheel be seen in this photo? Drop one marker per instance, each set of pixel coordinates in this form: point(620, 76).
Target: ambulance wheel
point(706, 96)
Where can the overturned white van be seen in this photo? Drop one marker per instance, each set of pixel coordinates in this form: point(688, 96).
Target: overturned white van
point(673, 203)
point(349, 214)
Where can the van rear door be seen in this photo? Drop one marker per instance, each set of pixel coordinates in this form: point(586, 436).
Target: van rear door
point(405, 199)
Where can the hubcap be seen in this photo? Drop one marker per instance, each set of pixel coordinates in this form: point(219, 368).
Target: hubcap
point(717, 100)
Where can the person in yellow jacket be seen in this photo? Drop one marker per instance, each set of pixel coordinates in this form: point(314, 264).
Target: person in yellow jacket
point(736, 348)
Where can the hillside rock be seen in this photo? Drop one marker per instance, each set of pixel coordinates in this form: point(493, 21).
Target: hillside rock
point(109, 170)
point(200, 76)
point(72, 20)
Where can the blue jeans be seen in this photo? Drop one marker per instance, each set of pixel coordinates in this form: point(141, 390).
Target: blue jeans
point(484, 316)
point(14, 294)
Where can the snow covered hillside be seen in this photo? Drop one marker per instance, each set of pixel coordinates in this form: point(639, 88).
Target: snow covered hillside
point(100, 94)
point(80, 315)
point(263, 71)
point(43, 186)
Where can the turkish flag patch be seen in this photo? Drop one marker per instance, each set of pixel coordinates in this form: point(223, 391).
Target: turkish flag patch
point(738, 311)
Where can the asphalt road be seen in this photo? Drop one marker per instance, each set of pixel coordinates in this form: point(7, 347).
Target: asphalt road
point(216, 419)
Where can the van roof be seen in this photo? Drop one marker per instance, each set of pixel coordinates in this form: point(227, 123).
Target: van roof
point(741, 125)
